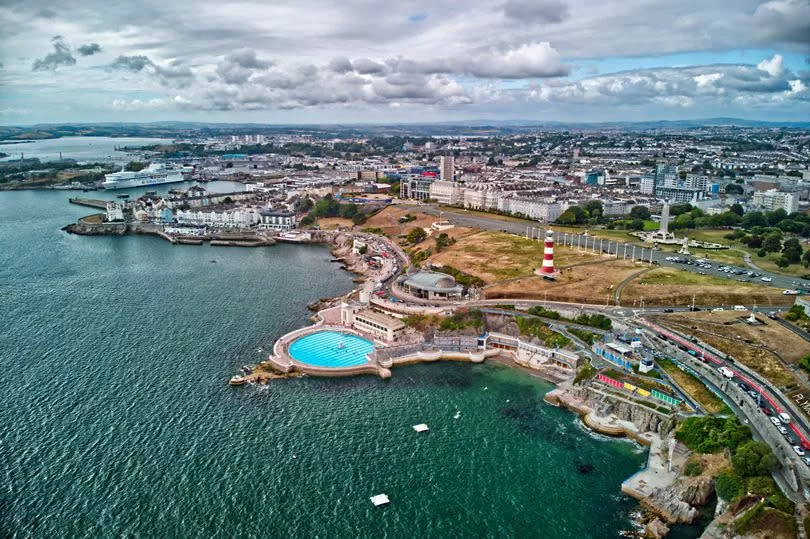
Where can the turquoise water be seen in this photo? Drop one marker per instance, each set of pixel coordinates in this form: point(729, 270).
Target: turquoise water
point(116, 418)
point(331, 349)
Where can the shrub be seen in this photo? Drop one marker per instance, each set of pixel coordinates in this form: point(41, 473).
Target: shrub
point(693, 467)
point(712, 434)
point(754, 458)
point(585, 373)
point(728, 485)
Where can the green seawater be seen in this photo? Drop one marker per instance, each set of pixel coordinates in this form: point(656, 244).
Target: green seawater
point(116, 420)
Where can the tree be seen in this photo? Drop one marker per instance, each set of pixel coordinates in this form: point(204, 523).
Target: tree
point(442, 241)
point(363, 250)
point(792, 250)
point(416, 235)
point(772, 243)
point(594, 208)
point(640, 212)
point(135, 166)
point(773, 217)
point(783, 261)
point(754, 458)
point(738, 209)
point(567, 218)
point(734, 189)
point(754, 218)
point(806, 259)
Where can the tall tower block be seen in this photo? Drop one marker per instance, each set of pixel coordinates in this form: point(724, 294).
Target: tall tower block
point(548, 254)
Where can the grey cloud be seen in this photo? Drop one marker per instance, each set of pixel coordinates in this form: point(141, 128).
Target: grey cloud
point(720, 83)
point(46, 13)
point(175, 74)
point(60, 56)
point(783, 20)
point(89, 49)
point(366, 66)
point(238, 67)
point(528, 11)
point(131, 63)
point(341, 64)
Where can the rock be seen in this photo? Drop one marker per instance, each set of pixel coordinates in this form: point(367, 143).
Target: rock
point(697, 491)
point(585, 468)
point(656, 529)
point(667, 503)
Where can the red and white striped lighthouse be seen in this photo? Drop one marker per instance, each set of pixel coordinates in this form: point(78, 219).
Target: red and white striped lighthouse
point(548, 254)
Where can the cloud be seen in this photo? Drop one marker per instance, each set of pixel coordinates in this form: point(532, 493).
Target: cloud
point(720, 84)
point(175, 73)
point(530, 11)
point(783, 21)
point(238, 67)
point(89, 49)
point(131, 63)
point(60, 56)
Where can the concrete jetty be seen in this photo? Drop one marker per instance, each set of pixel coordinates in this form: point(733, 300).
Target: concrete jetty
point(90, 202)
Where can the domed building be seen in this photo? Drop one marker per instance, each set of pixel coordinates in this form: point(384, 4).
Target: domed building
point(431, 285)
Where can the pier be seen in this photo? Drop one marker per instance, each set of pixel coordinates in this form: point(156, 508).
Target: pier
point(90, 202)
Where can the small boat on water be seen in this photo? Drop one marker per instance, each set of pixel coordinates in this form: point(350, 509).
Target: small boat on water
point(237, 381)
point(122, 196)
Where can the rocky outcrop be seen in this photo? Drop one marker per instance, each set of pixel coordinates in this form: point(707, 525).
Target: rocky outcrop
point(656, 529)
point(677, 503)
point(645, 419)
point(99, 229)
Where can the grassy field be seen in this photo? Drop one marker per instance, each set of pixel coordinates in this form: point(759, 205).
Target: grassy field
point(496, 256)
point(670, 286)
point(592, 283)
point(694, 387)
point(734, 256)
point(330, 223)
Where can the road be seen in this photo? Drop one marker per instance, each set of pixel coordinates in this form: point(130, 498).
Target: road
point(623, 250)
point(775, 400)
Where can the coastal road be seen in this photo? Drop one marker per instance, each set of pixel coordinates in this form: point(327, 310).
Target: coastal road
point(622, 250)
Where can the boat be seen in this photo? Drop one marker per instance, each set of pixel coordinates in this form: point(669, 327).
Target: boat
point(123, 196)
point(154, 174)
point(236, 381)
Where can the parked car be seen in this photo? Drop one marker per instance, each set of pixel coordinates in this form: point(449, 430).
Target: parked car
point(784, 418)
point(744, 387)
point(806, 460)
point(776, 422)
point(782, 429)
point(799, 451)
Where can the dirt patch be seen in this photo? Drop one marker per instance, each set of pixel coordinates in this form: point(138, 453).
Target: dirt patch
point(731, 324)
point(695, 388)
point(331, 223)
point(669, 286)
point(496, 256)
point(758, 359)
point(591, 283)
point(388, 221)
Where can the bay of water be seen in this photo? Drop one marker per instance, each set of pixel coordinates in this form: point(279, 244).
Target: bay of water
point(79, 148)
point(116, 419)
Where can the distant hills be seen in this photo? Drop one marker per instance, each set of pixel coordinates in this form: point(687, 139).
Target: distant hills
point(468, 127)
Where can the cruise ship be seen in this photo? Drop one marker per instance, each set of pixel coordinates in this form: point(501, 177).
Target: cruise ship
point(154, 174)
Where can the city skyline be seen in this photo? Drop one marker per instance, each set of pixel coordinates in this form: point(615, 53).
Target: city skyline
point(550, 60)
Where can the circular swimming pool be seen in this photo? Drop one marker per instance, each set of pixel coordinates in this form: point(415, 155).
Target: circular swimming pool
point(331, 349)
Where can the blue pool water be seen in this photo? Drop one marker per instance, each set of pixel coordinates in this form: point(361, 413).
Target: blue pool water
point(331, 349)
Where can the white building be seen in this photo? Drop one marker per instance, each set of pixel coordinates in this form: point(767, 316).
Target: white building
point(447, 167)
point(772, 200)
point(115, 211)
point(235, 218)
point(447, 192)
point(281, 220)
point(377, 324)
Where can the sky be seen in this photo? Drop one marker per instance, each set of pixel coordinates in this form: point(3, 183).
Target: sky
point(364, 61)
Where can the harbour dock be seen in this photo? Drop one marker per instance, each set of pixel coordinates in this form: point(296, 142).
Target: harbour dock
point(90, 202)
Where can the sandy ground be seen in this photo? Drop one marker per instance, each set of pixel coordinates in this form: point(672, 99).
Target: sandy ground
point(330, 223)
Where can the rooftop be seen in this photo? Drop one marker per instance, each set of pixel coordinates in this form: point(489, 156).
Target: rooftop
point(433, 281)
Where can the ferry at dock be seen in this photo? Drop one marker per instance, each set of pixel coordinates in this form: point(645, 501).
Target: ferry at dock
point(154, 174)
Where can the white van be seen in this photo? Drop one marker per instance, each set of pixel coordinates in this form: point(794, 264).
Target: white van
point(740, 308)
point(725, 371)
point(784, 418)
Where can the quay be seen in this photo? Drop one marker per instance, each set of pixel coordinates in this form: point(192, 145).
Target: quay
point(89, 202)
